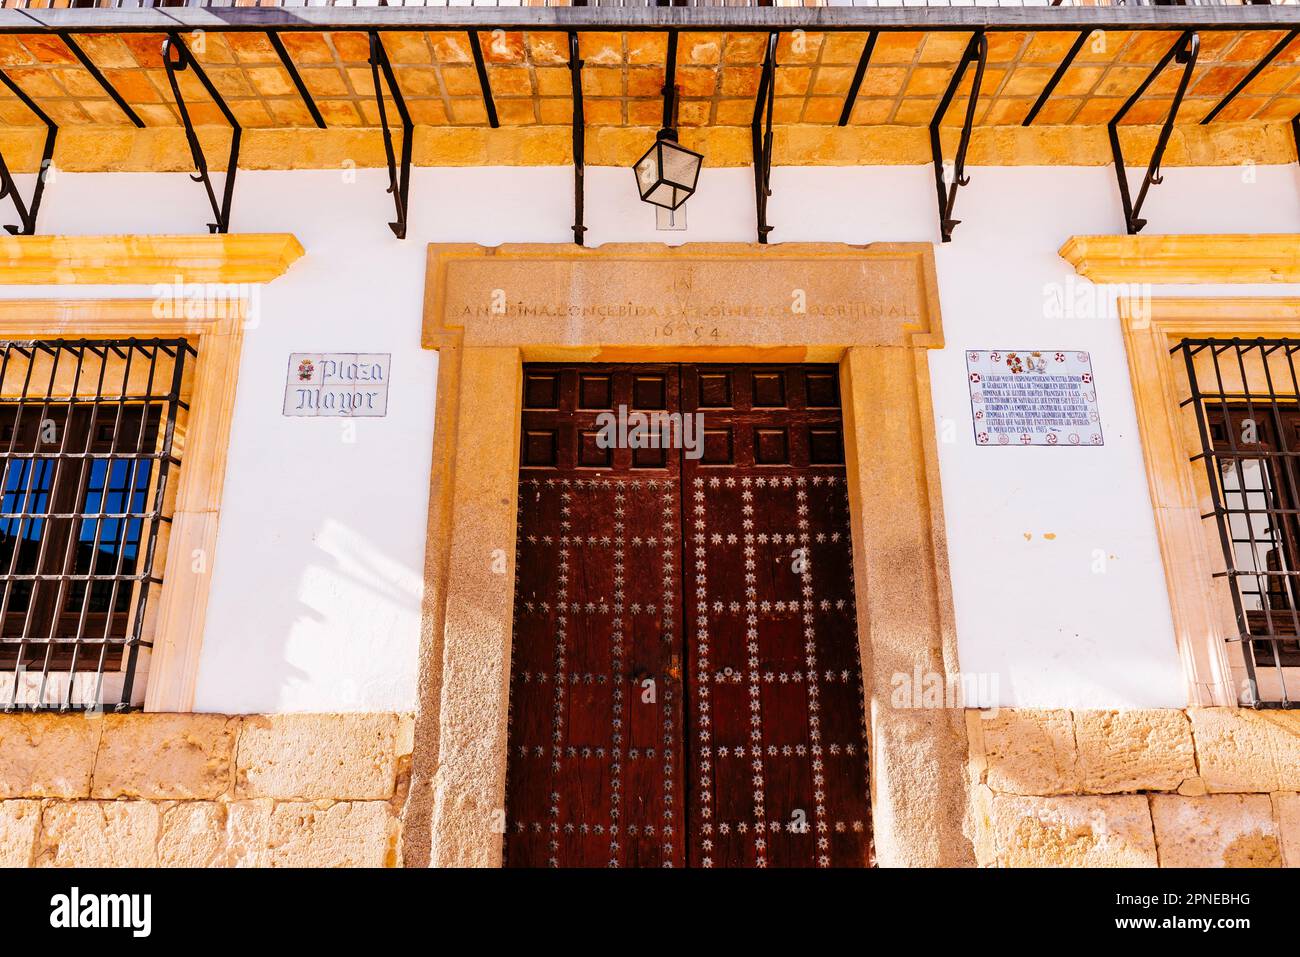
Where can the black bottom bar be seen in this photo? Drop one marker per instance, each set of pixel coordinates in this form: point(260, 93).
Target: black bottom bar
point(763, 910)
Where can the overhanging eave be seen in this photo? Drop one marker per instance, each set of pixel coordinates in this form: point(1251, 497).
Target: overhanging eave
point(758, 19)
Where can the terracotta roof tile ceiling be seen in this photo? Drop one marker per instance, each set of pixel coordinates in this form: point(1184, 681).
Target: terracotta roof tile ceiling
point(623, 78)
point(286, 67)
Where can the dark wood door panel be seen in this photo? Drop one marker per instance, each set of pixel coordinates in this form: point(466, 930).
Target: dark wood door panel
point(598, 781)
point(766, 416)
point(776, 690)
point(562, 405)
point(761, 626)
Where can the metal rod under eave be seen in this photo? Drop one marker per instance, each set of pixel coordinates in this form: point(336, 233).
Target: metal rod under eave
point(489, 103)
point(1255, 71)
point(1056, 78)
point(102, 80)
point(299, 85)
point(863, 62)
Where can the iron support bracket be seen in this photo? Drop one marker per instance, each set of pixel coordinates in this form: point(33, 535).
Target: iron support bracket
point(399, 181)
point(1184, 52)
point(27, 212)
point(579, 139)
point(761, 137)
point(177, 58)
point(977, 51)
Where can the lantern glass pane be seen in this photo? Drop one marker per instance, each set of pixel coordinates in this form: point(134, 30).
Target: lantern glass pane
point(647, 171)
point(664, 195)
point(680, 166)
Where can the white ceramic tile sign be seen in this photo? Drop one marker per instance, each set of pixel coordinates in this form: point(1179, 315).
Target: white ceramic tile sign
point(1033, 397)
point(350, 384)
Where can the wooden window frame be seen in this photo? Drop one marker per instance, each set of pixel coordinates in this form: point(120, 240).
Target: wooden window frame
point(173, 264)
point(1202, 610)
point(217, 333)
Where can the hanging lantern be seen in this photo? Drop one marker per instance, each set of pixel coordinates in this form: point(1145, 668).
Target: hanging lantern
point(666, 175)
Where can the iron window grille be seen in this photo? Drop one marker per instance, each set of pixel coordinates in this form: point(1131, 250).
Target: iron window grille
point(87, 429)
point(1246, 397)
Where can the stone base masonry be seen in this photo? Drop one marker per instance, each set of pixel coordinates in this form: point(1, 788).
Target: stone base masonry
point(1211, 787)
point(202, 790)
point(1215, 787)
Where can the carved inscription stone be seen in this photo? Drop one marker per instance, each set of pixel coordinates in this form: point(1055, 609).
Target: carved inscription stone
point(819, 297)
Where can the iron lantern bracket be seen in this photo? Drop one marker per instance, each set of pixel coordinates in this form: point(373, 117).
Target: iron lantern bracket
point(399, 181)
point(669, 128)
point(761, 137)
point(27, 212)
point(977, 51)
point(579, 139)
point(1184, 52)
point(177, 58)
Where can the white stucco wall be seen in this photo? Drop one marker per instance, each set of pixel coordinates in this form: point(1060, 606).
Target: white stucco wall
point(318, 574)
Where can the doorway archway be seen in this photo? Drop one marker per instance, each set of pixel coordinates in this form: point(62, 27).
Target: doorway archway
point(872, 311)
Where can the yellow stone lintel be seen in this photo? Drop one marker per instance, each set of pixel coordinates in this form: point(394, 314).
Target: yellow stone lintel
point(91, 149)
point(1247, 258)
point(146, 259)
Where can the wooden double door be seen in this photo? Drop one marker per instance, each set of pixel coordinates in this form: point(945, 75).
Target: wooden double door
point(686, 687)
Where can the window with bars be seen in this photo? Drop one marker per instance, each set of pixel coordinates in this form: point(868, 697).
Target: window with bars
point(90, 432)
point(1246, 399)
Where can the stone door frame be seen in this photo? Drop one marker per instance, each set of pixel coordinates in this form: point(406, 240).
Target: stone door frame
point(873, 310)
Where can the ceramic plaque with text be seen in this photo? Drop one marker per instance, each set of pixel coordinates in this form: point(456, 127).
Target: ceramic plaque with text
point(349, 384)
point(1033, 397)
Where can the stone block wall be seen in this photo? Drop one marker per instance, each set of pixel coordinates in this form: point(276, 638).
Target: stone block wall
point(1214, 787)
point(1208, 787)
point(202, 790)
